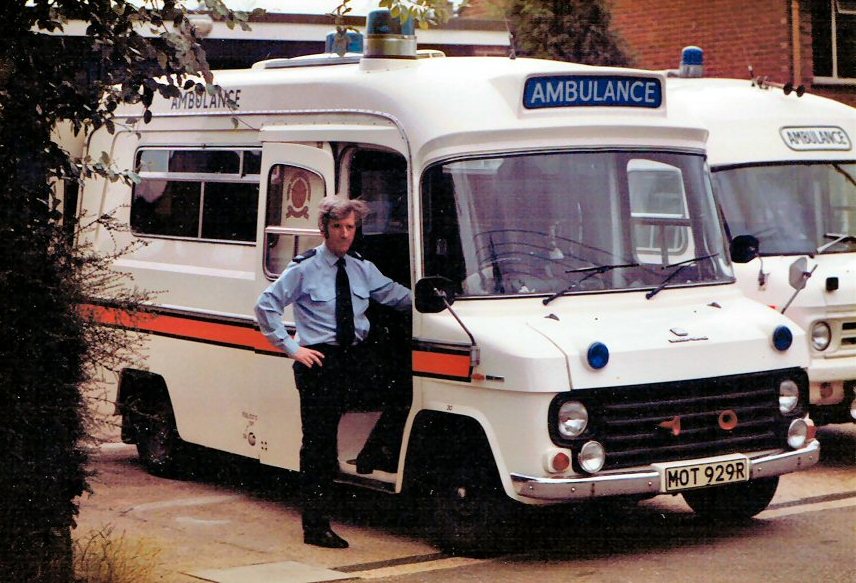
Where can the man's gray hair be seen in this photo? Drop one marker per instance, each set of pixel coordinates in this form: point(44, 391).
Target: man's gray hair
point(336, 208)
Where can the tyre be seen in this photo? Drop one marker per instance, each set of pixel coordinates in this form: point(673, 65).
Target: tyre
point(158, 444)
point(472, 514)
point(734, 502)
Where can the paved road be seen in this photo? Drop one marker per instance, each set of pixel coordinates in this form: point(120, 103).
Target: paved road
point(237, 523)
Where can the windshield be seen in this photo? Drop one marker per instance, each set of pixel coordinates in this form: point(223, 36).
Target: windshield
point(571, 222)
point(791, 208)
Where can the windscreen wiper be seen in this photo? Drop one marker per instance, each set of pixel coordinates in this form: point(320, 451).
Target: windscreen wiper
point(591, 272)
point(680, 267)
point(836, 239)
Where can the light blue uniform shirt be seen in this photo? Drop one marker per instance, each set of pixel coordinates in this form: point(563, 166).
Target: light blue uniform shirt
point(310, 285)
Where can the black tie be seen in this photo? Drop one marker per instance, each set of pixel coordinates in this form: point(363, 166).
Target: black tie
point(344, 309)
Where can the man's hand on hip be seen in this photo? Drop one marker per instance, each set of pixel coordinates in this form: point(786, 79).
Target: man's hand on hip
point(308, 357)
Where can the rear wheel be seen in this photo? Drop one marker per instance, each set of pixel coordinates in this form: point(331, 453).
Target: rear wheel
point(158, 443)
point(733, 502)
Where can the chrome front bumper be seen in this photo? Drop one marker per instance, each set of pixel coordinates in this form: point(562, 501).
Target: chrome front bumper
point(647, 481)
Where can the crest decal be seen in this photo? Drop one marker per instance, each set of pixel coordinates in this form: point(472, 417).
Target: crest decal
point(298, 193)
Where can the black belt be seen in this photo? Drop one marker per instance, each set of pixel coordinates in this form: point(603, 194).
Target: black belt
point(335, 348)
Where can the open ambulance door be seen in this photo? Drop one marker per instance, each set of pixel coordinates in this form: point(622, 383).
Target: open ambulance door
point(295, 178)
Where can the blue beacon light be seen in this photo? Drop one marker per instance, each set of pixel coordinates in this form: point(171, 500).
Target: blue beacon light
point(692, 62)
point(782, 338)
point(355, 42)
point(597, 355)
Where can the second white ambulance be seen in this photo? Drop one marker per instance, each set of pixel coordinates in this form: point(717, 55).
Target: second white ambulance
point(784, 172)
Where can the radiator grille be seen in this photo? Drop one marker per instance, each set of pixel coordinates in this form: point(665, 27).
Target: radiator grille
point(640, 425)
point(848, 335)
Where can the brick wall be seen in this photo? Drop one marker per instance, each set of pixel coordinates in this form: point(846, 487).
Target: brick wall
point(733, 33)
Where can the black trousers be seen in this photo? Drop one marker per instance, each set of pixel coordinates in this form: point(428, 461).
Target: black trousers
point(324, 395)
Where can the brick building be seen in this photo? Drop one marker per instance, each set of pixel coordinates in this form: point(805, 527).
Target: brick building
point(810, 42)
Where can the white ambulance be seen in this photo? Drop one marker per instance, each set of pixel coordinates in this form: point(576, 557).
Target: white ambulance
point(784, 172)
point(577, 331)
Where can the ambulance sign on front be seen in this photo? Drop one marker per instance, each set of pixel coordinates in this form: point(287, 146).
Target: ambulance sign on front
point(592, 91)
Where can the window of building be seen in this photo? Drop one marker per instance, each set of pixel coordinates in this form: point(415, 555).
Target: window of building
point(209, 194)
point(834, 40)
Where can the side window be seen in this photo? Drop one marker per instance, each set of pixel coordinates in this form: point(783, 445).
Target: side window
point(658, 212)
point(209, 194)
point(292, 203)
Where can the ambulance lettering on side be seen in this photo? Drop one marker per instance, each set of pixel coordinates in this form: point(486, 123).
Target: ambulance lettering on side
point(784, 172)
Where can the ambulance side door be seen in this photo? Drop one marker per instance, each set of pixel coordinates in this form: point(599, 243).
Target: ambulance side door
point(295, 178)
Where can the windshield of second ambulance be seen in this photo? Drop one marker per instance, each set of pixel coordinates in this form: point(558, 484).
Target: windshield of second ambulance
point(572, 222)
point(791, 208)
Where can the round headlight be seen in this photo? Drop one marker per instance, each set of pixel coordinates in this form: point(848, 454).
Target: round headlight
point(789, 396)
point(573, 419)
point(797, 433)
point(782, 338)
point(821, 335)
point(592, 457)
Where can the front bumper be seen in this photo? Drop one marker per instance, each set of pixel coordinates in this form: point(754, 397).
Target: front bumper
point(647, 481)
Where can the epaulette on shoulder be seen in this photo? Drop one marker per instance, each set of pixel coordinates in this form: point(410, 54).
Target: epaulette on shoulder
point(356, 255)
point(304, 256)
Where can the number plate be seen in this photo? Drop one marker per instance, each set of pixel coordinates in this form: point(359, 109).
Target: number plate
point(678, 477)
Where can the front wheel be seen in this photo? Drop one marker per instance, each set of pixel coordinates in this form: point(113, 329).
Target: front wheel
point(472, 514)
point(733, 502)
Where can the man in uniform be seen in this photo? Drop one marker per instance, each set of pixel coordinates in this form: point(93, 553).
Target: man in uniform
point(330, 289)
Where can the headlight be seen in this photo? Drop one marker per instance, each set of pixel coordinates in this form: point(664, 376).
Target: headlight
point(573, 419)
point(821, 335)
point(592, 457)
point(789, 396)
point(798, 433)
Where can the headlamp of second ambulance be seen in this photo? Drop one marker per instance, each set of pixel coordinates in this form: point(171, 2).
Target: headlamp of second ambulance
point(821, 336)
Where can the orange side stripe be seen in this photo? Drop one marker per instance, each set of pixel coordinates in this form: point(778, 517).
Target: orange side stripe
point(438, 363)
point(424, 362)
point(182, 327)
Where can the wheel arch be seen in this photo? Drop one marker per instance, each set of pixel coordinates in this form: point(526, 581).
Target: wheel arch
point(138, 390)
point(438, 439)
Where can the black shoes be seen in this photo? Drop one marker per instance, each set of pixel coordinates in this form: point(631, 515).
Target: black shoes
point(324, 538)
point(383, 459)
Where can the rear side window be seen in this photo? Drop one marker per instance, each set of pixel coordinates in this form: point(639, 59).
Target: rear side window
point(209, 194)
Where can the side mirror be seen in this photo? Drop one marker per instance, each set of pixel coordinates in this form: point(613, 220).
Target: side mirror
point(744, 248)
point(798, 274)
point(434, 294)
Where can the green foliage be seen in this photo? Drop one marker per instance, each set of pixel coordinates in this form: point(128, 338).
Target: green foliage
point(565, 30)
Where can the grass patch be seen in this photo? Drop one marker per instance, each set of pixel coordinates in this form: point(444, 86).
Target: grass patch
point(102, 556)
